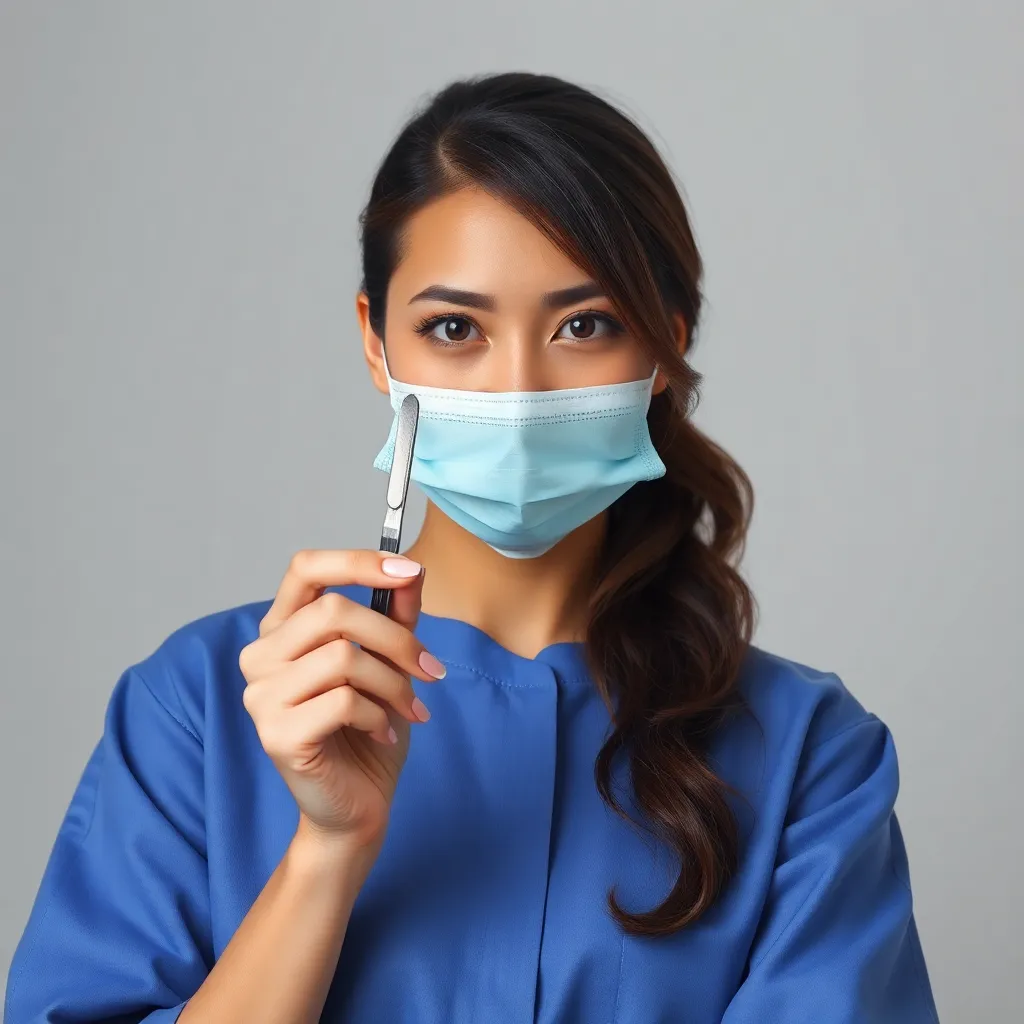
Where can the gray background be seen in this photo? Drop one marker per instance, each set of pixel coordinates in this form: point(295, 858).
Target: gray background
point(183, 401)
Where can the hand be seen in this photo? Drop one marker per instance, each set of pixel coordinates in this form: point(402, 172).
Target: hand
point(325, 708)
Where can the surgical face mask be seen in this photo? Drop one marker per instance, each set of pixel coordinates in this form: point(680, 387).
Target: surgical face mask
point(521, 469)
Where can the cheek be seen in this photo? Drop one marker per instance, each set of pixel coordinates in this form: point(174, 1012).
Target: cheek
point(413, 360)
point(614, 365)
point(639, 364)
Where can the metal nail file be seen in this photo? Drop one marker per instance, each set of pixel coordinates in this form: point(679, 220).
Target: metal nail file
point(398, 490)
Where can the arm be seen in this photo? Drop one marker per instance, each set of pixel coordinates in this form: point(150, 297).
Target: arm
point(838, 943)
point(278, 966)
point(123, 906)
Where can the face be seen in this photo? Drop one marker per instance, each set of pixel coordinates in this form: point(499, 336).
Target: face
point(482, 300)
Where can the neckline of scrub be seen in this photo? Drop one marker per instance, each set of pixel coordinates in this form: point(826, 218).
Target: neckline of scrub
point(456, 641)
point(465, 646)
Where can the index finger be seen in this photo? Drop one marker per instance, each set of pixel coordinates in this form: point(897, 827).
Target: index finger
point(310, 572)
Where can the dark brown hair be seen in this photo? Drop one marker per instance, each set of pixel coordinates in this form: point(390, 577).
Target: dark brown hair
point(671, 619)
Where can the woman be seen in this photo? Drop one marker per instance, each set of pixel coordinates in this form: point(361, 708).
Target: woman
point(617, 809)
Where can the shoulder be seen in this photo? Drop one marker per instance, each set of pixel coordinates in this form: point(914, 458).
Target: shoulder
point(791, 699)
point(195, 668)
point(805, 734)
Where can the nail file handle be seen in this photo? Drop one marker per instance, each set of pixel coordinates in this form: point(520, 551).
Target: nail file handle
point(398, 491)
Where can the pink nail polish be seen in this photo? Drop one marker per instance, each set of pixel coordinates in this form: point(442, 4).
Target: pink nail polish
point(432, 666)
point(403, 568)
point(420, 710)
point(392, 735)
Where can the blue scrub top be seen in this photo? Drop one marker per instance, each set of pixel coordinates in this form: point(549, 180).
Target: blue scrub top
point(488, 900)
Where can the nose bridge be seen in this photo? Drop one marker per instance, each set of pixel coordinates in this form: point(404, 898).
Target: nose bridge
point(519, 361)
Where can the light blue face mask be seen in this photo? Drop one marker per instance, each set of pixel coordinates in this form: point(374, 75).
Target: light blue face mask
point(521, 469)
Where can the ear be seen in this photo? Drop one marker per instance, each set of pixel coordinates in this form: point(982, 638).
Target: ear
point(682, 342)
point(373, 346)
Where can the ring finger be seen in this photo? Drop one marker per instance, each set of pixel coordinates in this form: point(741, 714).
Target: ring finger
point(337, 663)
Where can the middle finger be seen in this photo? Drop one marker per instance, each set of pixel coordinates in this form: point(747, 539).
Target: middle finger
point(340, 663)
point(334, 616)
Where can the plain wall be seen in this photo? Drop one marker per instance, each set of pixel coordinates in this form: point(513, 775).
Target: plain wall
point(183, 401)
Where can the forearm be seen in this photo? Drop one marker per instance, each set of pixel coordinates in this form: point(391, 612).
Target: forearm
point(278, 966)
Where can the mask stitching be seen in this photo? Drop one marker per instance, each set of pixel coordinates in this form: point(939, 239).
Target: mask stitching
point(522, 421)
point(645, 450)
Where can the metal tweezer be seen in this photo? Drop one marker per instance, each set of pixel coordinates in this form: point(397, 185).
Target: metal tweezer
point(398, 490)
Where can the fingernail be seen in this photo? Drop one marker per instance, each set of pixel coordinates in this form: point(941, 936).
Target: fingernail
point(392, 735)
point(403, 568)
point(431, 665)
point(419, 709)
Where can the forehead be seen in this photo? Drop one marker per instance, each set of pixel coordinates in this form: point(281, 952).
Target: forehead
point(473, 240)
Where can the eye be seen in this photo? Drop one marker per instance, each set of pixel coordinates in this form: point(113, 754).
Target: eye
point(449, 330)
point(591, 326)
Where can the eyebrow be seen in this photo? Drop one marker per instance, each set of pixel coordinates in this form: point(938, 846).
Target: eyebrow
point(478, 300)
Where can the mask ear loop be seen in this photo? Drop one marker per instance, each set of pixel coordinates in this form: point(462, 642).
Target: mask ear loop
point(617, 508)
